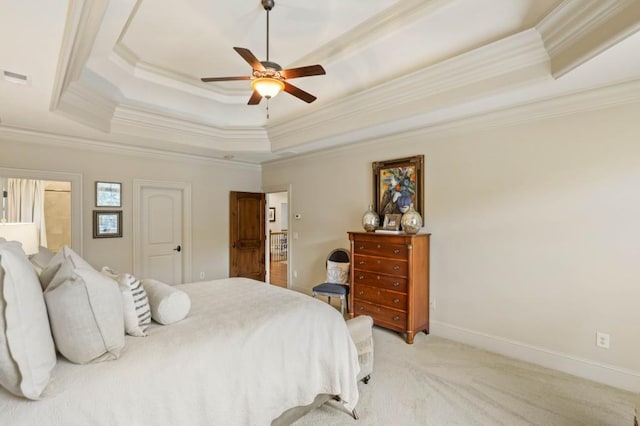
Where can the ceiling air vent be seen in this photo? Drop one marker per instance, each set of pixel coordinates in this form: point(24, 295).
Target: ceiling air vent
point(14, 77)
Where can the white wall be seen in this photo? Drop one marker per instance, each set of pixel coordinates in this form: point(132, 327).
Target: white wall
point(535, 233)
point(210, 186)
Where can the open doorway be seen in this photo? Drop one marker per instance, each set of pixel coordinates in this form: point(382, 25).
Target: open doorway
point(44, 202)
point(277, 252)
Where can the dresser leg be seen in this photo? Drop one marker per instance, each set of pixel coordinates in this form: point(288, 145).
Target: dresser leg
point(409, 338)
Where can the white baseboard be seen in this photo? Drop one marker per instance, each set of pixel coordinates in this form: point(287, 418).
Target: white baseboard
point(581, 367)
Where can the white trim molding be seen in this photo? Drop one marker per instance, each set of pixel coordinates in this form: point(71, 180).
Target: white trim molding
point(599, 372)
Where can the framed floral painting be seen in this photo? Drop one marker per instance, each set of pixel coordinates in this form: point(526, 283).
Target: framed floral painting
point(397, 184)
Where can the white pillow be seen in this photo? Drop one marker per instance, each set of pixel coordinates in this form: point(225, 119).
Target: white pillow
point(85, 311)
point(135, 304)
point(27, 353)
point(41, 259)
point(338, 272)
point(54, 264)
point(168, 305)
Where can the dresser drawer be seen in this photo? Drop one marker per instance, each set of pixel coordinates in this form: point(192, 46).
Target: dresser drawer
point(380, 280)
point(380, 248)
point(376, 264)
point(381, 296)
point(387, 317)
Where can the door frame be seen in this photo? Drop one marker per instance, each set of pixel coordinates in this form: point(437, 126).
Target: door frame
point(270, 189)
point(185, 187)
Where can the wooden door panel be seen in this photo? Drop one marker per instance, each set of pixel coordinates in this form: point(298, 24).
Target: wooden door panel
point(247, 235)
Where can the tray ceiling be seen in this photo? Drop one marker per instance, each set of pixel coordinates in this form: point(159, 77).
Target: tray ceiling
point(126, 73)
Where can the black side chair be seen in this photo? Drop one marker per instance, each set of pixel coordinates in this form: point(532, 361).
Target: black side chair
point(329, 289)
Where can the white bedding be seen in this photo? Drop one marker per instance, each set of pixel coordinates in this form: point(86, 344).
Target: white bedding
point(247, 352)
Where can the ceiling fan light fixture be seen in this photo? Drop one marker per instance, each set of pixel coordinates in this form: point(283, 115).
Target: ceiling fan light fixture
point(267, 87)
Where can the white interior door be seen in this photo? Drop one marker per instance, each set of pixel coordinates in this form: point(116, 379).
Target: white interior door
point(161, 241)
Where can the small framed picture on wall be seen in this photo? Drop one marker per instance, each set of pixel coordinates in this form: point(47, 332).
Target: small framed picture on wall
point(272, 214)
point(107, 223)
point(108, 194)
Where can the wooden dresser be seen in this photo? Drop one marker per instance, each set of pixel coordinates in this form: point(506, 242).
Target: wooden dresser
point(390, 280)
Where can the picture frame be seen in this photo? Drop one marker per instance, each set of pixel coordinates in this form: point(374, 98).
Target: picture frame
point(272, 214)
point(107, 223)
point(398, 183)
point(391, 222)
point(108, 194)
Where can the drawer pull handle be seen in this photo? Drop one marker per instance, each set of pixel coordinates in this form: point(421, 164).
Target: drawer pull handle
point(396, 318)
point(362, 308)
point(396, 267)
point(396, 284)
point(396, 251)
point(377, 277)
point(361, 277)
point(361, 247)
point(378, 262)
point(396, 300)
point(378, 292)
point(361, 293)
point(377, 309)
point(379, 246)
point(362, 262)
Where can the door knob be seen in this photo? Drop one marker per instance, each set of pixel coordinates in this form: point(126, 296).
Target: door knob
point(178, 248)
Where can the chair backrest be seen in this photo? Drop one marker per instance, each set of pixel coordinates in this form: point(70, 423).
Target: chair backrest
point(339, 255)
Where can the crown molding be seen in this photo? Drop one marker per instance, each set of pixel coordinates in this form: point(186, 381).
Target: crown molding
point(379, 26)
point(147, 124)
point(84, 104)
point(578, 30)
point(515, 60)
point(14, 134)
point(82, 25)
point(580, 101)
point(128, 61)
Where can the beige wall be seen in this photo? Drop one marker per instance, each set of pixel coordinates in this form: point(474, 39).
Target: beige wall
point(210, 186)
point(535, 230)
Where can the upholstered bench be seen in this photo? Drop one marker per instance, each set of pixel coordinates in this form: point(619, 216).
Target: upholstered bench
point(360, 329)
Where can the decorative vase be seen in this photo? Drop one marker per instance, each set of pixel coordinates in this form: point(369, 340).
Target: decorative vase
point(370, 220)
point(411, 221)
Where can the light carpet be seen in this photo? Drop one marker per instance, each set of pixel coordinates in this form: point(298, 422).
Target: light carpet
point(440, 382)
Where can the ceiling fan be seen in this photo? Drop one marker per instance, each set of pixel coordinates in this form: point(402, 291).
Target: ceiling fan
point(268, 78)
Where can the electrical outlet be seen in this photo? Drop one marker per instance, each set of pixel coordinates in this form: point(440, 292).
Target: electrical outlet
point(202, 275)
point(602, 340)
point(432, 304)
point(295, 274)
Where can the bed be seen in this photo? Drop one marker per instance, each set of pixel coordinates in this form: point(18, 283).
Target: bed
point(246, 353)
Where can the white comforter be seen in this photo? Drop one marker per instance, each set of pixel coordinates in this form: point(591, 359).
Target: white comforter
point(246, 353)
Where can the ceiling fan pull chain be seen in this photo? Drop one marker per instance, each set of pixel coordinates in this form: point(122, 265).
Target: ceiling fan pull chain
point(267, 109)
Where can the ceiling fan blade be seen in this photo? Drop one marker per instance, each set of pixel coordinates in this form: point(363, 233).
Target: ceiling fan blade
point(303, 71)
point(299, 93)
point(255, 98)
point(208, 79)
point(250, 58)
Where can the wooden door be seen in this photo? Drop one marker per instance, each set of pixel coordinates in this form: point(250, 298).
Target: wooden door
point(161, 234)
point(247, 235)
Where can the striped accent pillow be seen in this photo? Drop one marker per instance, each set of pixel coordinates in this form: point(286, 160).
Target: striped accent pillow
point(137, 312)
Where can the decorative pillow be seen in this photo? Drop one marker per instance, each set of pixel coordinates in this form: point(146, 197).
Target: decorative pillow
point(168, 305)
point(135, 304)
point(27, 353)
point(85, 311)
point(338, 272)
point(41, 259)
point(54, 264)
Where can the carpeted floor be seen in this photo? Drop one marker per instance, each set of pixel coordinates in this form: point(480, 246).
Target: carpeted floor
point(439, 382)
